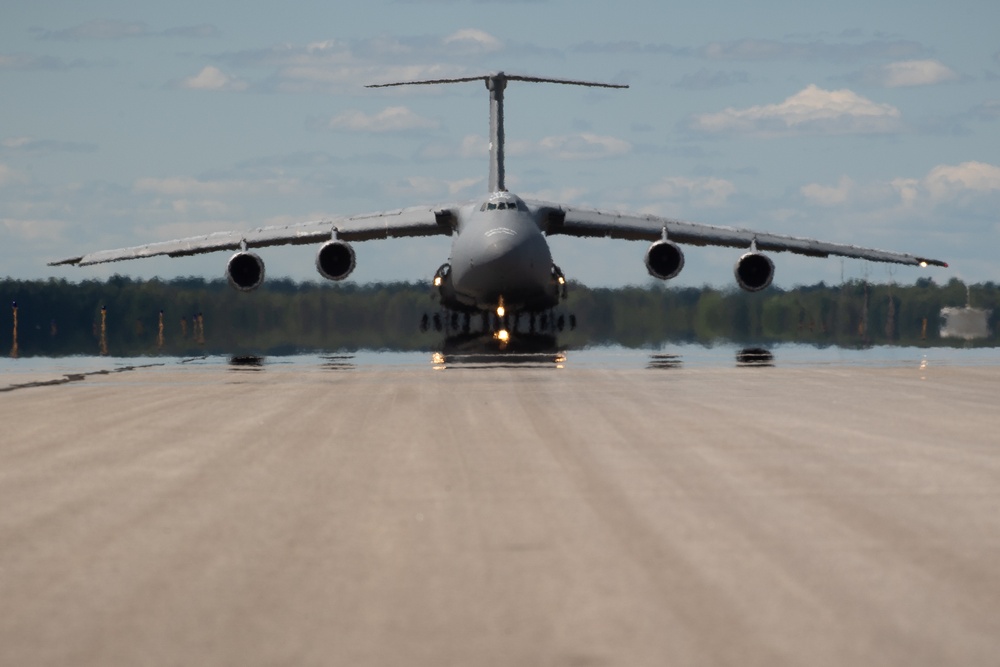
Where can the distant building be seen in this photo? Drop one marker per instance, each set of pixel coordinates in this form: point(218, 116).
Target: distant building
point(966, 323)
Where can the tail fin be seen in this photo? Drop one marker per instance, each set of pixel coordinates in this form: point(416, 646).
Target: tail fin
point(496, 83)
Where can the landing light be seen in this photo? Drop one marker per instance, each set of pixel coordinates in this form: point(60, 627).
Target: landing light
point(923, 265)
point(503, 335)
point(437, 281)
point(500, 311)
point(562, 281)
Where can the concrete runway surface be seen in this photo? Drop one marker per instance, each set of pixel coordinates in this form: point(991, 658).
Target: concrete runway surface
point(184, 515)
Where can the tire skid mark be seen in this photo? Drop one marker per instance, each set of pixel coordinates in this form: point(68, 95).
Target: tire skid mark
point(75, 377)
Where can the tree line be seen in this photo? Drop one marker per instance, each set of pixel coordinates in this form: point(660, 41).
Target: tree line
point(188, 316)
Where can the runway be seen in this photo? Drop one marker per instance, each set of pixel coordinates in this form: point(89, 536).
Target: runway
point(543, 513)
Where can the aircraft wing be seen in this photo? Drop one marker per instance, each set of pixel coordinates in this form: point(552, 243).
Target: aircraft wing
point(578, 221)
point(413, 221)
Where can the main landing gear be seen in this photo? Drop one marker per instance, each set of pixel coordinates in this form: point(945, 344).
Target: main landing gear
point(452, 322)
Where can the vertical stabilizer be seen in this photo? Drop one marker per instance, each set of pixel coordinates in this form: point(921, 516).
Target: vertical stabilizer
point(496, 84)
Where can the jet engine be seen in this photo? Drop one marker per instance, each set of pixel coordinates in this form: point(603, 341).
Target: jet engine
point(245, 271)
point(335, 260)
point(754, 271)
point(664, 260)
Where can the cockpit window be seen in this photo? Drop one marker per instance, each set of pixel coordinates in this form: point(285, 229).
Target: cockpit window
point(516, 205)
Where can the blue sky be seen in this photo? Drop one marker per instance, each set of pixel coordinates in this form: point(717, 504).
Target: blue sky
point(869, 123)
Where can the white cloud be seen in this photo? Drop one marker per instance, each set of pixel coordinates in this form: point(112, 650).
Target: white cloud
point(950, 181)
point(114, 30)
point(426, 187)
point(99, 30)
point(565, 194)
point(825, 195)
point(33, 230)
point(9, 176)
point(212, 78)
point(810, 111)
point(471, 146)
point(31, 63)
point(317, 74)
point(987, 111)
point(705, 79)
point(584, 146)
point(16, 142)
point(472, 38)
point(180, 230)
point(16, 61)
point(708, 192)
point(760, 50)
point(474, 145)
point(908, 73)
point(32, 145)
point(345, 66)
point(463, 185)
point(390, 119)
point(943, 184)
point(907, 189)
point(765, 49)
point(189, 187)
point(203, 207)
point(181, 186)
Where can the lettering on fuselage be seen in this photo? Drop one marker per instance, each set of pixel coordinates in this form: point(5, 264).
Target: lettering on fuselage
point(506, 231)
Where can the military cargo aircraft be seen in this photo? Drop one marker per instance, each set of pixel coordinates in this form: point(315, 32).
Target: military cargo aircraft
point(500, 260)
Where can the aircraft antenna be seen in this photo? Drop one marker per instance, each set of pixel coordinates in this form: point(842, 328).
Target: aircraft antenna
point(496, 84)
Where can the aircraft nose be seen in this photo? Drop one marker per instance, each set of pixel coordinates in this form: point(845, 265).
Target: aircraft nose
point(512, 255)
point(501, 244)
point(505, 262)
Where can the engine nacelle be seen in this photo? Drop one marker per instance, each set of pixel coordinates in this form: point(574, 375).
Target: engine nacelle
point(335, 260)
point(245, 271)
point(754, 271)
point(664, 260)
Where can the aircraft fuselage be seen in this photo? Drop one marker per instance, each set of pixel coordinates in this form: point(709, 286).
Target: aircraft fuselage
point(499, 257)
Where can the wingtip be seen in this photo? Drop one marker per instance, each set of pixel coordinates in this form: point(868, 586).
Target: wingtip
point(70, 260)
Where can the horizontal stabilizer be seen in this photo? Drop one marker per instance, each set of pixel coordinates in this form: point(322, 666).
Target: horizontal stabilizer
point(495, 84)
point(498, 77)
